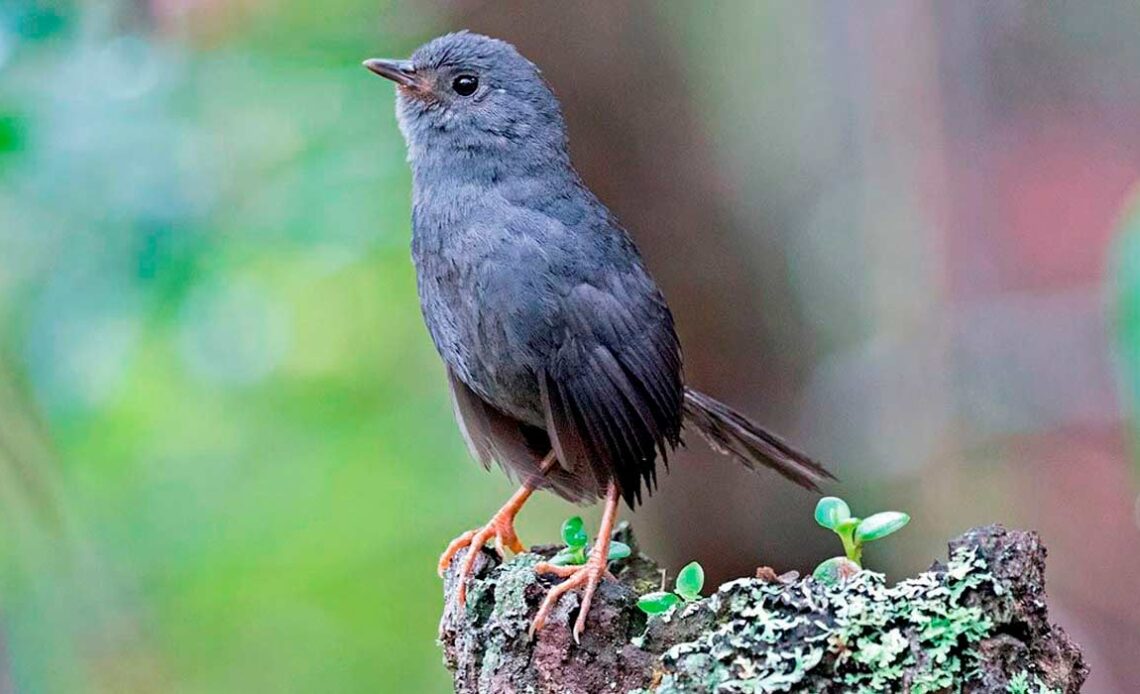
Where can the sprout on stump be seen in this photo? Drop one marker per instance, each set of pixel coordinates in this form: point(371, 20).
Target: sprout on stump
point(834, 514)
point(687, 588)
point(577, 545)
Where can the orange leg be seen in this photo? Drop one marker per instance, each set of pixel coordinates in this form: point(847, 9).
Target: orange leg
point(501, 529)
point(588, 575)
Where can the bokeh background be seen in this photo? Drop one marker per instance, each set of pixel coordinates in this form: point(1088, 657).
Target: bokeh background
point(898, 232)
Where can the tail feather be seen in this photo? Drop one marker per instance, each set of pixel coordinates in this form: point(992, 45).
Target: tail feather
point(729, 432)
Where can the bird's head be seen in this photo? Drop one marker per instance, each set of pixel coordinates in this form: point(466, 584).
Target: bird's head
point(466, 95)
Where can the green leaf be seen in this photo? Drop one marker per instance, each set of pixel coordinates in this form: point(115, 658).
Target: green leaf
point(570, 556)
point(656, 603)
point(560, 559)
point(831, 511)
point(574, 532)
point(618, 550)
point(880, 525)
point(690, 580)
point(835, 571)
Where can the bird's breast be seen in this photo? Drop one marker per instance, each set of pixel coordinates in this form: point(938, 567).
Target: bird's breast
point(486, 315)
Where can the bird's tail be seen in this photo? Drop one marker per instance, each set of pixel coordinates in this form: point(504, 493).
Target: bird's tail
point(729, 432)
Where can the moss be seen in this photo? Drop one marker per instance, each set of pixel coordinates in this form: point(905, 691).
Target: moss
point(860, 636)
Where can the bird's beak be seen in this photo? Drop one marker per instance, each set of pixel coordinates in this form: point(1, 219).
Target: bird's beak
point(402, 72)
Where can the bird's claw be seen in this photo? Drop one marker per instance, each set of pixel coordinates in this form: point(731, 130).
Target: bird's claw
point(563, 570)
point(501, 529)
point(589, 575)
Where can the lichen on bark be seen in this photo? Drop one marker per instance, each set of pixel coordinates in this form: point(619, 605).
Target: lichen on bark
point(976, 624)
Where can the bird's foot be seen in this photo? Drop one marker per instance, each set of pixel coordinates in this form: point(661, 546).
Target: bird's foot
point(501, 529)
point(586, 576)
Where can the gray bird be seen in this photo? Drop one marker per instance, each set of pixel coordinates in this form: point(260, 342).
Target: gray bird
point(563, 362)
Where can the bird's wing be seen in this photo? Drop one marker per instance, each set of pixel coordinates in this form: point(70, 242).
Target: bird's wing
point(517, 447)
point(612, 390)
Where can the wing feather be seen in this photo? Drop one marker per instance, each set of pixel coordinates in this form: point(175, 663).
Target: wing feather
point(613, 391)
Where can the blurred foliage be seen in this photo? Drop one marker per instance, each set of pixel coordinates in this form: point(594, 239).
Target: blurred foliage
point(1126, 290)
point(206, 295)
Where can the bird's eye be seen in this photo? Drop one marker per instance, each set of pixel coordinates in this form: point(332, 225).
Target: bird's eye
point(465, 85)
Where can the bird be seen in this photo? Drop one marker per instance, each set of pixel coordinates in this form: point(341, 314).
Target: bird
point(561, 353)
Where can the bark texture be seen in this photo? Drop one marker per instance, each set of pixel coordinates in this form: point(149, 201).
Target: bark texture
point(976, 623)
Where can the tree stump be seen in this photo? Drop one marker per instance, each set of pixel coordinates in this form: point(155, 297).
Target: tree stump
point(977, 623)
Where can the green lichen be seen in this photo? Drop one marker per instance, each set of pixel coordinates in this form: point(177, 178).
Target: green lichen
point(505, 597)
point(502, 601)
point(510, 590)
point(1022, 684)
point(860, 636)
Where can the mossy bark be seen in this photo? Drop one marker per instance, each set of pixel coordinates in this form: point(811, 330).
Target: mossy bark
point(977, 623)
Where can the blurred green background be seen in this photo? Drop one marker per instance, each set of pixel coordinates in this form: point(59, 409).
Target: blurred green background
point(895, 231)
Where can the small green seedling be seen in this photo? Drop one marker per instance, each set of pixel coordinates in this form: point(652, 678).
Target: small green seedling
point(577, 544)
point(833, 513)
point(690, 580)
